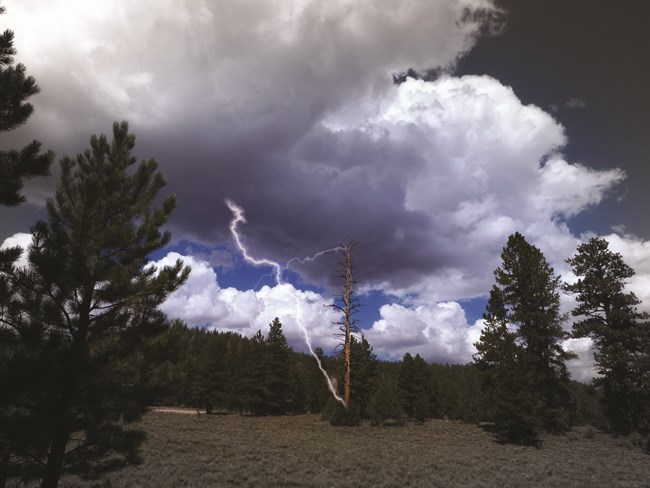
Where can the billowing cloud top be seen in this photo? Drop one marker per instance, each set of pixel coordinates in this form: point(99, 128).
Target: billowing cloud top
point(230, 68)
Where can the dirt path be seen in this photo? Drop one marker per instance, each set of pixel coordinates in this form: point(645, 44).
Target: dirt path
point(183, 411)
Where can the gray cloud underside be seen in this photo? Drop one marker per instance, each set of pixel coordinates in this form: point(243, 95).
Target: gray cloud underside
point(231, 99)
point(289, 109)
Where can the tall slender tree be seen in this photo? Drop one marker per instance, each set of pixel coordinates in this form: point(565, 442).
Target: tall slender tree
point(278, 370)
point(15, 88)
point(519, 348)
point(88, 281)
point(609, 315)
point(414, 380)
point(348, 305)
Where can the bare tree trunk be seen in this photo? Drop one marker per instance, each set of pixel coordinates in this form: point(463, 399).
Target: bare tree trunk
point(55, 459)
point(347, 305)
point(347, 300)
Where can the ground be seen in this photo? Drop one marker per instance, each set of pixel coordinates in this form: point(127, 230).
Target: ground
point(302, 451)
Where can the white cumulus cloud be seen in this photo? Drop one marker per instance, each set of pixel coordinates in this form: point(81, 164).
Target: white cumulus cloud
point(202, 302)
point(21, 240)
point(438, 332)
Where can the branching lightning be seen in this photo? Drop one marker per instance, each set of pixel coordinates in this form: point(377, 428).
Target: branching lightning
point(239, 218)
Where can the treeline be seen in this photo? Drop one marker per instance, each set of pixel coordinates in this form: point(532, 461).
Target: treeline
point(84, 349)
point(262, 375)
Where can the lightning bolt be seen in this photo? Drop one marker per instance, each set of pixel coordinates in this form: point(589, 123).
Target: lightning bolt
point(240, 218)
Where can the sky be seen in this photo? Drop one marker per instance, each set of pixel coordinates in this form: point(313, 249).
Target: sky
point(427, 131)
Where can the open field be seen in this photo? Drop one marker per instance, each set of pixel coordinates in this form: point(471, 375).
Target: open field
point(235, 451)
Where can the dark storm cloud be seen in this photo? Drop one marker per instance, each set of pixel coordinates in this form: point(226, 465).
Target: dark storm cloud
point(430, 179)
point(230, 99)
point(289, 109)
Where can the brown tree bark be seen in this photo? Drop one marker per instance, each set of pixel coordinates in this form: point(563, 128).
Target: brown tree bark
point(347, 305)
point(347, 300)
point(55, 458)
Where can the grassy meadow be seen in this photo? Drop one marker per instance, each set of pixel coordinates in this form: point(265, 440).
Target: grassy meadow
point(236, 451)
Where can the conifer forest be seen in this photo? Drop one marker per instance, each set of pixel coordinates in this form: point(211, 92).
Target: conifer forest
point(100, 387)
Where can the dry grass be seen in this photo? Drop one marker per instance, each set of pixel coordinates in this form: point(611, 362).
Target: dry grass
point(234, 451)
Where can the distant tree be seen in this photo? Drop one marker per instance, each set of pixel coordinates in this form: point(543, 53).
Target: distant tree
point(161, 363)
point(207, 370)
point(88, 283)
point(316, 392)
point(456, 393)
point(251, 387)
point(414, 382)
point(384, 403)
point(364, 375)
point(619, 331)
point(15, 88)
point(519, 349)
point(278, 370)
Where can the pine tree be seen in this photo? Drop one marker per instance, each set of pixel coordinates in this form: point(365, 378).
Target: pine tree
point(252, 387)
point(278, 370)
point(88, 282)
point(364, 373)
point(316, 392)
point(610, 317)
point(384, 403)
point(414, 381)
point(514, 410)
point(519, 350)
point(363, 376)
point(15, 88)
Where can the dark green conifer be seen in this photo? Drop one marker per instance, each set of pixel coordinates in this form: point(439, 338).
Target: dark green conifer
point(414, 382)
point(15, 88)
point(384, 404)
point(609, 316)
point(88, 282)
point(278, 371)
point(519, 353)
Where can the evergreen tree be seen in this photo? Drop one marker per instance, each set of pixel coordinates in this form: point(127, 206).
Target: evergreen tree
point(278, 370)
point(315, 391)
point(88, 282)
point(414, 381)
point(384, 403)
point(519, 349)
point(610, 317)
point(363, 374)
point(15, 88)
point(363, 377)
point(207, 370)
point(252, 387)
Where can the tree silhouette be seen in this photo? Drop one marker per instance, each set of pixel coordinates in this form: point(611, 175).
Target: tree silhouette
point(88, 282)
point(610, 317)
point(348, 306)
point(518, 351)
point(277, 377)
point(15, 88)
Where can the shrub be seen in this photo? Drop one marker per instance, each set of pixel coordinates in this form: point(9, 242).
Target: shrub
point(345, 417)
point(385, 404)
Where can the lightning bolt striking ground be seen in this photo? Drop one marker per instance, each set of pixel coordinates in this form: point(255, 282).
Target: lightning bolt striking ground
point(239, 218)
